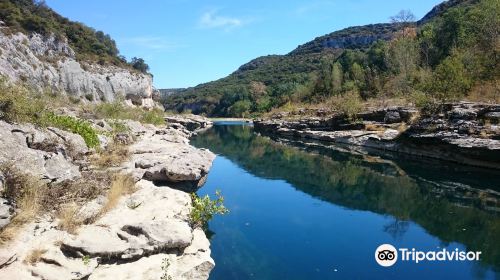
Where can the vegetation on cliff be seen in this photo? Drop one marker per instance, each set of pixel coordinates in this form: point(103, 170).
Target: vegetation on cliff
point(450, 54)
point(20, 104)
point(30, 16)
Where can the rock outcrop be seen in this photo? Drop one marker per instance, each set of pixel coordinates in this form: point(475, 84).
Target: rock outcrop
point(43, 153)
point(164, 155)
point(190, 122)
point(147, 235)
point(466, 133)
point(47, 63)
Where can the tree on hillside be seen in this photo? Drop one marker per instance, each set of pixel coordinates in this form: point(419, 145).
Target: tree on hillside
point(406, 21)
point(404, 17)
point(139, 64)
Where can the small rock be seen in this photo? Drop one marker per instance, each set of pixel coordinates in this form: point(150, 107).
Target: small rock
point(6, 212)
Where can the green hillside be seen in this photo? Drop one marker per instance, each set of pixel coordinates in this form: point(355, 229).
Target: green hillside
point(451, 53)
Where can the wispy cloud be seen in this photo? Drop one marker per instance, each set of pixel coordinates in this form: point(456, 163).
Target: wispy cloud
point(152, 43)
point(211, 19)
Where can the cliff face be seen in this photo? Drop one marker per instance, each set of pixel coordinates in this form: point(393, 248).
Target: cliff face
point(47, 63)
point(349, 38)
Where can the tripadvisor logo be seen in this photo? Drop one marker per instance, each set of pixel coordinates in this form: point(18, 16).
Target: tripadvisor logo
point(387, 255)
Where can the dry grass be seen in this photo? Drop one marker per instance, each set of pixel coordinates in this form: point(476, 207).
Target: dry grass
point(68, 219)
point(34, 256)
point(487, 92)
point(373, 127)
point(113, 156)
point(33, 197)
point(28, 193)
point(120, 186)
point(402, 127)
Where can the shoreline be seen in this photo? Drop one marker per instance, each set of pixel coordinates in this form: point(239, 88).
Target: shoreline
point(145, 229)
point(466, 133)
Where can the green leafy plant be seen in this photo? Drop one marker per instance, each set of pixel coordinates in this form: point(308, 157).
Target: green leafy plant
point(205, 208)
point(86, 260)
point(80, 127)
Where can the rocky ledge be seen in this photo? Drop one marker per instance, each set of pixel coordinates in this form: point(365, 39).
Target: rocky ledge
point(164, 156)
point(467, 133)
point(146, 235)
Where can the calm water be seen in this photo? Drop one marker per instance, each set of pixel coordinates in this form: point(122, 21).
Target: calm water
point(303, 212)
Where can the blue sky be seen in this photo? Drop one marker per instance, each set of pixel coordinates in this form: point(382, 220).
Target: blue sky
point(187, 42)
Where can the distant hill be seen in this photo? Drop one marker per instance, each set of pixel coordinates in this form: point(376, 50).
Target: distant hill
point(169, 91)
point(272, 81)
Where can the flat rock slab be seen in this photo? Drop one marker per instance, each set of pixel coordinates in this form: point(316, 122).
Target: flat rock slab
point(151, 220)
point(194, 264)
point(164, 156)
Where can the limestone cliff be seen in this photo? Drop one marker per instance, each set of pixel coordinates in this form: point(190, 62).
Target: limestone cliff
point(48, 63)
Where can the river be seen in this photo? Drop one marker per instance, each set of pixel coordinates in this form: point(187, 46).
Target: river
point(301, 211)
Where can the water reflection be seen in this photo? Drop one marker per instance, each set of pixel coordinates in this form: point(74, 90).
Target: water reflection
point(454, 203)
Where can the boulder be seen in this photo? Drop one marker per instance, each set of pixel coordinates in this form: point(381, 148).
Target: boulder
point(392, 117)
point(164, 156)
point(493, 117)
point(190, 122)
point(14, 149)
point(75, 145)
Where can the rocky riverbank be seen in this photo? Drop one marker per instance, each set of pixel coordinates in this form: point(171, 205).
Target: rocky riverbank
point(146, 234)
point(467, 133)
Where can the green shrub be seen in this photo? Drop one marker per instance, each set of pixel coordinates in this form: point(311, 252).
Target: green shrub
point(204, 208)
point(118, 110)
point(350, 104)
point(18, 105)
point(74, 125)
point(118, 127)
point(424, 102)
point(155, 116)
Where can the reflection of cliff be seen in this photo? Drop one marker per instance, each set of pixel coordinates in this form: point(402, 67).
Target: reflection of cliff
point(360, 183)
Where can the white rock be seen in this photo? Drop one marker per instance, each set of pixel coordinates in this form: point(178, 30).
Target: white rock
point(22, 57)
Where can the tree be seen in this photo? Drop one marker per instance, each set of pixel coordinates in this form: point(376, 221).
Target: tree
point(240, 108)
point(451, 79)
point(406, 20)
point(139, 64)
point(358, 74)
point(336, 78)
point(404, 17)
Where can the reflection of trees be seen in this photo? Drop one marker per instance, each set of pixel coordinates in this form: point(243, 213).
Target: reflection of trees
point(397, 228)
point(352, 181)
